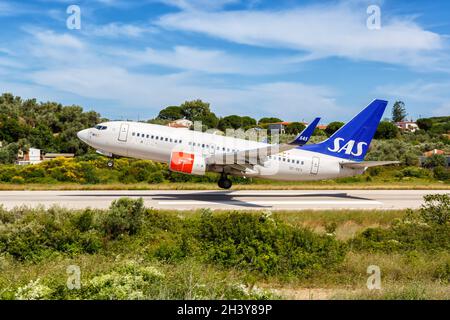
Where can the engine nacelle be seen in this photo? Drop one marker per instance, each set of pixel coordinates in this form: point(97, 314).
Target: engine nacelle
point(187, 163)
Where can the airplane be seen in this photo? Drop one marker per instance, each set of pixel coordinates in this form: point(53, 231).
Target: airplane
point(194, 152)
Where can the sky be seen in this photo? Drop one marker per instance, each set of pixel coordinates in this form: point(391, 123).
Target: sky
point(294, 60)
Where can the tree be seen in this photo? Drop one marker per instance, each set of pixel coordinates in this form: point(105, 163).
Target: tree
point(319, 132)
point(248, 122)
point(399, 111)
point(230, 122)
point(332, 127)
point(197, 110)
point(170, 113)
point(436, 160)
point(386, 130)
point(269, 120)
point(424, 124)
point(294, 128)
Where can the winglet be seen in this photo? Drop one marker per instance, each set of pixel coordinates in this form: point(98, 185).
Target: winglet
point(303, 137)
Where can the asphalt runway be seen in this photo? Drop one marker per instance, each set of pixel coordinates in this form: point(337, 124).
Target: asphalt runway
point(252, 199)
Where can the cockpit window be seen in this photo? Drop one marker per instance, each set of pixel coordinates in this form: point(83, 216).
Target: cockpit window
point(99, 127)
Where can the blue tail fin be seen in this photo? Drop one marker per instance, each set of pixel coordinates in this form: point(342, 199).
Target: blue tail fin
point(352, 140)
point(303, 137)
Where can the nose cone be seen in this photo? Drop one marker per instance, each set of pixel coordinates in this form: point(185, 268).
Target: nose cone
point(83, 135)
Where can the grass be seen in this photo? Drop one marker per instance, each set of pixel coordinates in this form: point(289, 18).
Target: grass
point(273, 185)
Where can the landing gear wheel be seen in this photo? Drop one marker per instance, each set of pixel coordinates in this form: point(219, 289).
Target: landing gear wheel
point(110, 163)
point(225, 183)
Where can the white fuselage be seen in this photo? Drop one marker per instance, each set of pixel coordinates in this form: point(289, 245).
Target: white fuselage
point(157, 143)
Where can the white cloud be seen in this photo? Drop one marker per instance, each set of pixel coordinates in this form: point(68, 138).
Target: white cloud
point(69, 66)
point(325, 30)
point(204, 60)
point(294, 101)
point(203, 5)
point(422, 98)
point(115, 29)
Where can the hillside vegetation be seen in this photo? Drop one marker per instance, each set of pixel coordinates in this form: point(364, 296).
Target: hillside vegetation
point(53, 127)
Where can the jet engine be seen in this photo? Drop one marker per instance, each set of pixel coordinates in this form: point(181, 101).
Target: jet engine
point(187, 163)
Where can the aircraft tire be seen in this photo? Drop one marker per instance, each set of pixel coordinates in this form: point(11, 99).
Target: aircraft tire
point(225, 183)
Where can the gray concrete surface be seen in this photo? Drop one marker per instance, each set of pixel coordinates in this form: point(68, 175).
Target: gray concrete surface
point(254, 199)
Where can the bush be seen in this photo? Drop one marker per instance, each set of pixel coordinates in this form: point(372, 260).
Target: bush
point(129, 281)
point(156, 177)
point(17, 180)
point(436, 160)
point(441, 173)
point(436, 209)
point(124, 217)
point(386, 130)
point(442, 273)
point(427, 229)
point(413, 172)
point(36, 234)
point(258, 243)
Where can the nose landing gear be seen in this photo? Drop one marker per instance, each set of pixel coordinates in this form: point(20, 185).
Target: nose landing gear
point(224, 182)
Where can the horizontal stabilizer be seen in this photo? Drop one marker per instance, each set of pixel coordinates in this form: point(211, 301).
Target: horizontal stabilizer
point(367, 164)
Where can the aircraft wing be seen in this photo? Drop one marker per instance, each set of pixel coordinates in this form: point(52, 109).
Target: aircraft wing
point(367, 164)
point(254, 156)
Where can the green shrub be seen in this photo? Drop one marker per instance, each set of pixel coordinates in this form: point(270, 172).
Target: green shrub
point(436, 209)
point(442, 273)
point(436, 160)
point(155, 177)
point(441, 173)
point(413, 172)
point(84, 221)
point(123, 217)
point(17, 180)
point(427, 229)
point(36, 234)
point(256, 243)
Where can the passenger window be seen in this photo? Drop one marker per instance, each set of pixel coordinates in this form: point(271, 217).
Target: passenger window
point(203, 145)
point(147, 136)
point(153, 137)
point(138, 134)
point(167, 139)
point(133, 134)
point(181, 141)
point(170, 139)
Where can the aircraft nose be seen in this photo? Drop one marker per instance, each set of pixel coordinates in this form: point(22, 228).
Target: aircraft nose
point(83, 134)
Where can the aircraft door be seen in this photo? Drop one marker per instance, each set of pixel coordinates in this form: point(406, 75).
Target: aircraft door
point(315, 165)
point(123, 134)
point(212, 149)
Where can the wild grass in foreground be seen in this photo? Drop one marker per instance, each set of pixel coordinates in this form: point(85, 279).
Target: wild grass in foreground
point(130, 252)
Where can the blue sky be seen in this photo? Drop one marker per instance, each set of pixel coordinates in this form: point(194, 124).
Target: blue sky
point(290, 59)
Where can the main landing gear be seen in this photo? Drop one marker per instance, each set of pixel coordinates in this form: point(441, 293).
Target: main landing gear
point(224, 182)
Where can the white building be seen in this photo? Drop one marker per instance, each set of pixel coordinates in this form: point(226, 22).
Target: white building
point(410, 126)
point(33, 156)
